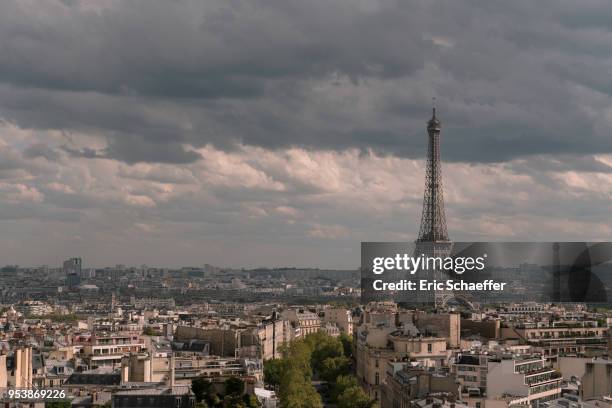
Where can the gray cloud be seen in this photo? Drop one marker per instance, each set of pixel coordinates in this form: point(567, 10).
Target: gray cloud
point(149, 77)
point(40, 150)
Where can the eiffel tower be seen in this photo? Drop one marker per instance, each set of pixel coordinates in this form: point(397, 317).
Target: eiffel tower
point(433, 240)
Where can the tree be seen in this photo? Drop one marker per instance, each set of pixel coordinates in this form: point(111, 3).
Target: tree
point(342, 383)
point(250, 401)
point(333, 367)
point(297, 392)
point(234, 389)
point(355, 397)
point(233, 401)
point(213, 399)
point(298, 356)
point(323, 346)
point(200, 387)
point(234, 386)
point(273, 372)
point(347, 345)
point(317, 352)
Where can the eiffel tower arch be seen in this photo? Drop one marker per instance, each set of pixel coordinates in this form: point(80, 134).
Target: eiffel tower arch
point(445, 298)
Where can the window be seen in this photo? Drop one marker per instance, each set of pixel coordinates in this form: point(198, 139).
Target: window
point(429, 347)
point(376, 379)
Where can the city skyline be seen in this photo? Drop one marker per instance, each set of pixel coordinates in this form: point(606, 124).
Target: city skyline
point(196, 142)
point(305, 204)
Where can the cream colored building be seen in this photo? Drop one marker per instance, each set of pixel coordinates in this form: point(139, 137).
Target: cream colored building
point(447, 325)
point(387, 334)
point(380, 314)
point(597, 379)
point(20, 375)
point(471, 371)
point(404, 385)
point(136, 367)
point(3, 372)
point(528, 381)
point(272, 334)
point(560, 339)
point(340, 317)
point(261, 341)
point(108, 349)
point(304, 321)
point(376, 346)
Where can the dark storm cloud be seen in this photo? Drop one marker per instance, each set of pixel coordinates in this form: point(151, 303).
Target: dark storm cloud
point(197, 49)
point(133, 149)
point(137, 148)
point(151, 77)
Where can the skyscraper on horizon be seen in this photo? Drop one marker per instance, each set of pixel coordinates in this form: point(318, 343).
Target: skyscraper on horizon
point(72, 270)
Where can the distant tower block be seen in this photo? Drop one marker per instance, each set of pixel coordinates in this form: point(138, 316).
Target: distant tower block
point(433, 237)
point(556, 294)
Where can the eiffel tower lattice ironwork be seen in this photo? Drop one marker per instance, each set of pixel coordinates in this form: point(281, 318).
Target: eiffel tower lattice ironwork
point(433, 220)
point(433, 239)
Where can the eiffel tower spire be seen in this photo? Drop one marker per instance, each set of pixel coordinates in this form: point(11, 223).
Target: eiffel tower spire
point(433, 219)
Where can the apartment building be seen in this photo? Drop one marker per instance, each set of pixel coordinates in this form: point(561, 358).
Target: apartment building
point(447, 325)
point(340, 317)
point(471, 371)
point(211, 367)
point(523, 381)
point(272, 334)
point(561, 338)
point(173, 396)
point(108, 349)
point(262, 340)
point(405, 384)
point(142, 367)
point(18, 368)
point(376, 346)
point(304, 321)
point(597, 379)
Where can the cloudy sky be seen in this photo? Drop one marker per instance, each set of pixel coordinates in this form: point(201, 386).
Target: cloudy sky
point(284, 132)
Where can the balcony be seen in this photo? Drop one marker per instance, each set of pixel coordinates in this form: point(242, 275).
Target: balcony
point(543, 378)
